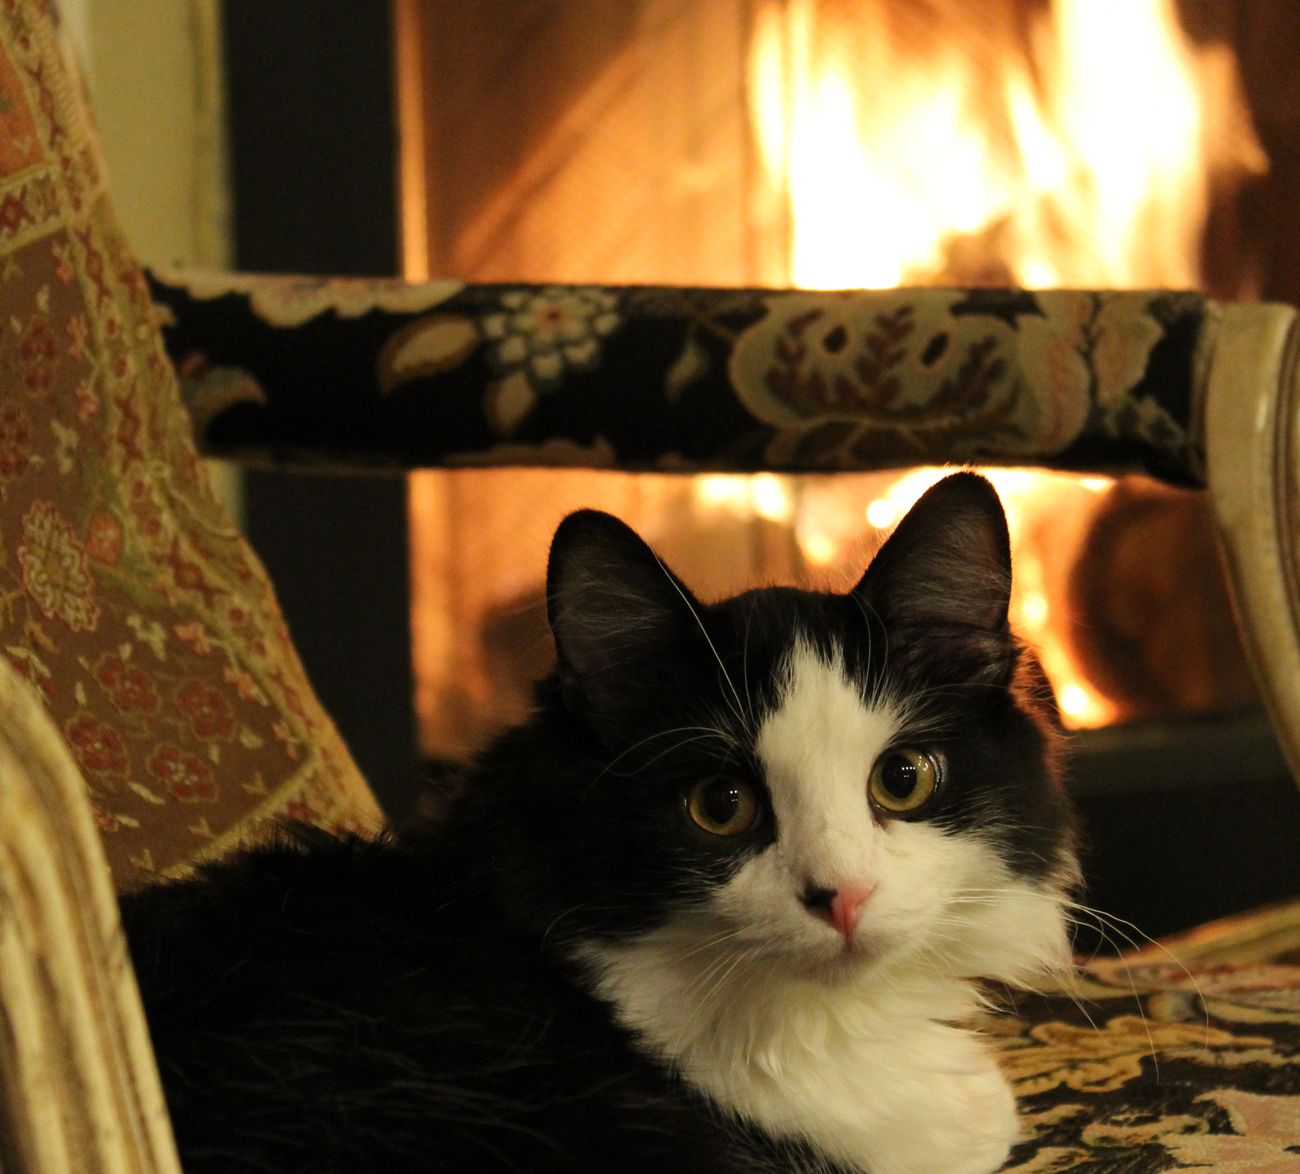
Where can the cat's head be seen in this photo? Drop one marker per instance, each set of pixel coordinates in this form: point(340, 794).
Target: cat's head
point(828, 781)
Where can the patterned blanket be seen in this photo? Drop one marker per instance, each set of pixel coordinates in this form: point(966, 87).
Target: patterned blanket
point(1150, 1065)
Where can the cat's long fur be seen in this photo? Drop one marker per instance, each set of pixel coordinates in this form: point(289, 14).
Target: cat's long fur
point(571, 974)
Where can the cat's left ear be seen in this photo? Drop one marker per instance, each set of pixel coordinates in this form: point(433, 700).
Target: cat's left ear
point(948, 562)
point(612, 604)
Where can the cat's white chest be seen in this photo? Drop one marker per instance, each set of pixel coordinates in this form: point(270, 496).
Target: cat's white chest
point(869, 1078)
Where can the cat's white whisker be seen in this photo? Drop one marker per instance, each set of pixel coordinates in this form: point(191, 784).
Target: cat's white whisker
point(560, 917)
point(722, 668)
point(703, 733)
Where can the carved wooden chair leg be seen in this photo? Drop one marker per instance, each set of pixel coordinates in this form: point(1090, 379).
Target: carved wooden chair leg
point(79, 1089)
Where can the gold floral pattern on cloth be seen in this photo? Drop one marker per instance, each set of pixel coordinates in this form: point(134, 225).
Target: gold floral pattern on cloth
point(866, 377)
point(1152, 1067)
point(127, 597)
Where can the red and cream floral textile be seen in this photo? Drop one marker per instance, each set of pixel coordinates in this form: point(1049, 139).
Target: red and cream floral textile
point(126, 595)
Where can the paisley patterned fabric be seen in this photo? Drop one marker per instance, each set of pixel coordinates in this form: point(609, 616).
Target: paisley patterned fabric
point(126, 594)
point(347, 371)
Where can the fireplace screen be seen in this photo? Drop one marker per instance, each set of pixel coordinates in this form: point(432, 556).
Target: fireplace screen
point(830, 144)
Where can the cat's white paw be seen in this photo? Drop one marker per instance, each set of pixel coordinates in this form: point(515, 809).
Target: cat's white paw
point(966, 1124)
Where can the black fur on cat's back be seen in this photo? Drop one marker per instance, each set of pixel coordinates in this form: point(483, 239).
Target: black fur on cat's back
point(410, 1004)
point(328, 1004)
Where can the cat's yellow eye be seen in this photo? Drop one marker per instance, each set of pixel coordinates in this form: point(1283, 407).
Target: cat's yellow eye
point(723, 806)
point(903, 779)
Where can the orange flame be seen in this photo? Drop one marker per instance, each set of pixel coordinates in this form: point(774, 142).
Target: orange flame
point(836, 519)
point(909, 144)
point(1079, 151)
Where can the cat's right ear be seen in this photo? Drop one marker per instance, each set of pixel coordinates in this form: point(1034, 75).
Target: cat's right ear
point(948, 562)
point(611, 602)
point(946, 571)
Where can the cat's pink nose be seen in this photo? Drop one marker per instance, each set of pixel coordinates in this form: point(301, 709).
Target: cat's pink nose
point(846, 907)
point(840, 908)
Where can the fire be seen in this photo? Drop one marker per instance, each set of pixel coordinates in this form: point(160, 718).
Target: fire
point(964, 142)
point(1079, 151)
point(956, 144)
point(838, 520)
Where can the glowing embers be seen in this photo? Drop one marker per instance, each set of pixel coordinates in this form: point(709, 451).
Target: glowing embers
point(966, 144)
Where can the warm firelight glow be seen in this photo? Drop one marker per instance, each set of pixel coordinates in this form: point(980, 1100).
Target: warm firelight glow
point(765, 494)
point(915, 145)
point(1080, 153)
point(1060, 143)
point(834, 531)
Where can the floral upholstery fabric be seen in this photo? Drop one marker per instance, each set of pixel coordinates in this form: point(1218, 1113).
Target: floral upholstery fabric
point(1154, 1067)
point(126, 595)
point(437, 373)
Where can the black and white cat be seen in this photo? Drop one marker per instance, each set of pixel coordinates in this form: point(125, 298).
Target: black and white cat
point(723, 904)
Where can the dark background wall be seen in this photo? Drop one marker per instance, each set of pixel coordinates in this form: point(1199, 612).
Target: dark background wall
point(313, 165)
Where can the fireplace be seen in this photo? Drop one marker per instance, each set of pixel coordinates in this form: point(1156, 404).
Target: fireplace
point(871, 143)
point(834, 144)
point(1189, 811)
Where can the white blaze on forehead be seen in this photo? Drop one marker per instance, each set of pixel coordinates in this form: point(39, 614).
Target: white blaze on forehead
point(817, 748)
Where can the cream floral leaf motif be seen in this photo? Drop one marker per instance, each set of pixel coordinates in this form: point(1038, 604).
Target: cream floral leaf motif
point(65, 449)
point(507, 402)
point(1126, 1129)
point(1105, 1059)
point(536, 336)
point(1255, 992)
point(147, 795)
point(150, 633)
point(54, 570)
point(425, 347)
point(916, 362)
point(209, 391)
point(690, 366)
point(248, 739)
point(1265, 1137)
point(291, 301)
point(1121, 345)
